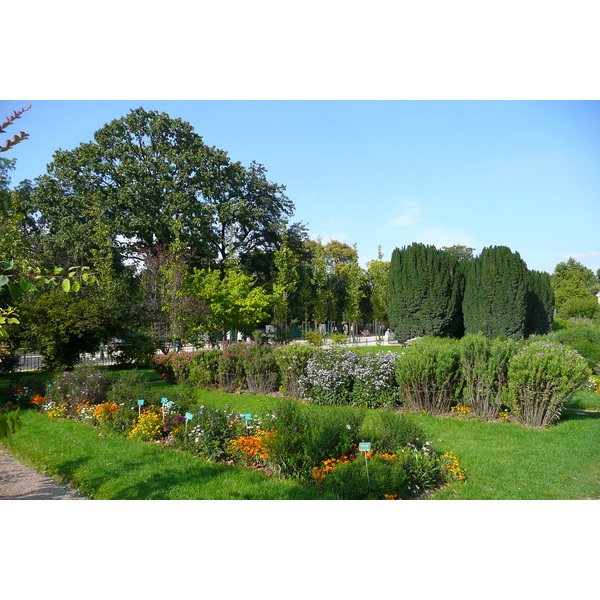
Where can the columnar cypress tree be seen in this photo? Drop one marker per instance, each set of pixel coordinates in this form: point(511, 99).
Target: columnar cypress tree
point(495, 296)
point(425, 292)
point(540, 303)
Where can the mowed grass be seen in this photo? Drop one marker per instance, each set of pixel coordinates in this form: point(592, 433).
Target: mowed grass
point(116, 468)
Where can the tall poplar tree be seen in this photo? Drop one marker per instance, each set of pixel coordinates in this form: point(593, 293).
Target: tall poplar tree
point(425, 292)
point(495, 297)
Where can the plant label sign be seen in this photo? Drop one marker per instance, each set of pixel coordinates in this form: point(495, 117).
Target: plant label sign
point(164, 400)
point(140, 402)
point(365, 446)
point(247, 416)
point(189, 416)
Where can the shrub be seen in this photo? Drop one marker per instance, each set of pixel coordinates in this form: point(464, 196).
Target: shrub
point(542, 377)
point(260, 366)
point(291, 363)
point(484, 372)
point(84, 382)
point(349, 481)
point(335, 431)
point(329, 377)
point(586, 340)
point(428, 374)
point(388, 431)
point(210, 433)
point(375, 383)
point(204, 370)
point(314, 337)
point(232, 375)
point(285, 447)
point(137, 348)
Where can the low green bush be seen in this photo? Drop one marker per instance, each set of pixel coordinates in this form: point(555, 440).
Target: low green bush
point(428, 375)
point(204, 370)
point(291, 362)
point(389, 431)
point(484, 373)
point(386, 477)
point(586, 340)
point(542, 377)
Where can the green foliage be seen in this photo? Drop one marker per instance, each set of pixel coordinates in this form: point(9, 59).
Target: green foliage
point(495, 298)
point(63, 326)
point(586, 340)
point(291, 362)
point(204, 370)
point(425, 288)
point(137, 348)
point(540, 304)
point(234, 303)
point(285, 445)
point(585, 307)
point(84, 382)
point(428, 375)
point(314, 337)
point(260, 366)
point(10, 423)
point(484, 373)
point(542, 377)
point(389, 431)
point(572, 280)
point(349, 481)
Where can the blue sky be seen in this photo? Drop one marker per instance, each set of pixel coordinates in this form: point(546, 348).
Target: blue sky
point(523, 174)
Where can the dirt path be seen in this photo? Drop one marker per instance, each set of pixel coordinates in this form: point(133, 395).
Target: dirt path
point(18, 482)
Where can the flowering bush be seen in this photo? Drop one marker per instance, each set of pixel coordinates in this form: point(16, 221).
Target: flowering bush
point(210, 433)
point(148, 426)
point(375, 381)
point(84, 382)
point(542, 377)
point(173, 366)
point(329, 377)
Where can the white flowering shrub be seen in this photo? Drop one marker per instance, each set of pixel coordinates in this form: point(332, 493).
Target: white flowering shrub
point(375, 381)
point(345, 377)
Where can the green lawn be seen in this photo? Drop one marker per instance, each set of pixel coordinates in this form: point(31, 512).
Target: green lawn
point(504, 461)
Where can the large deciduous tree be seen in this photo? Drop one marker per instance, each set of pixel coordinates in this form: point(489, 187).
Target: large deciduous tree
point(155, 182)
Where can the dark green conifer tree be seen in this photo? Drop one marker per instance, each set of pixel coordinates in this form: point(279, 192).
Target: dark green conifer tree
point(540, 303)
point(425, 293)
point(495, 295)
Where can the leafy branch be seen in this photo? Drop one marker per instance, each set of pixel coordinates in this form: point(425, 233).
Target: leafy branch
point(18, 137)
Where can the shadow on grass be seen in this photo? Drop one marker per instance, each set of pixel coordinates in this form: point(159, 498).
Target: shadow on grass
point(139, 480)
point(578, 414)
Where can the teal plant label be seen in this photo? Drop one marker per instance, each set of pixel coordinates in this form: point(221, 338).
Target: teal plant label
point(365, 446)
point(170, 403)
point(140, 402)
point(248, 416)
point(164, 400)
point(189, 415)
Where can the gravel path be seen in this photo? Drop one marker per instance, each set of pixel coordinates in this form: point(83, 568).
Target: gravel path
point(18, 482)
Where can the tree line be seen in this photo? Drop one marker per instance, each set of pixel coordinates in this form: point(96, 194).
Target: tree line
point(187, 242)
